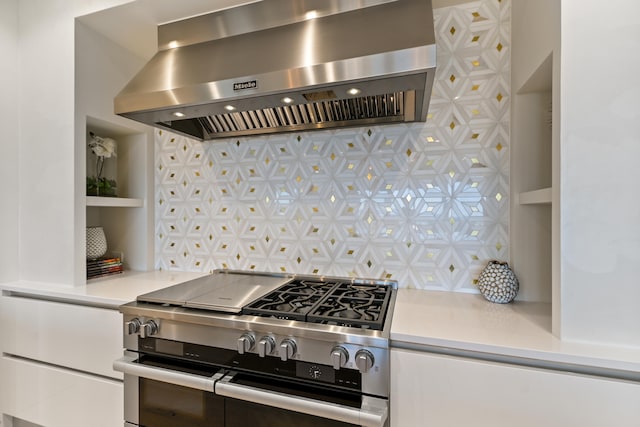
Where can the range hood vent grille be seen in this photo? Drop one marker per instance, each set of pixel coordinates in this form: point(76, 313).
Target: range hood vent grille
point(314, 115)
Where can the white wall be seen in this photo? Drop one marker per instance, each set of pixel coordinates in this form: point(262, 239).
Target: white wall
point(9, 141)
point(600, 129)
point(48, 215)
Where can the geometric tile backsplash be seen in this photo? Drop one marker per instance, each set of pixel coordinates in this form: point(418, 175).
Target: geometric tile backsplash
point(425, 204)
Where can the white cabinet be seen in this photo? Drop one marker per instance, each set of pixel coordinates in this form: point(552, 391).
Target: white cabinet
point(57, 362)
point(56, 397)
point(430, 390)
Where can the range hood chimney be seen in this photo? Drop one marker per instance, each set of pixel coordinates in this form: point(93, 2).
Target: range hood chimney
point(287, 65)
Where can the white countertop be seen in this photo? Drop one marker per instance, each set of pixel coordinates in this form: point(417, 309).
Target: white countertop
point(469, 323)
point(422, 320)
point(108, 291)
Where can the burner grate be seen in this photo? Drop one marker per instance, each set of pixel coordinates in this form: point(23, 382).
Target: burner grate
point(362, 306)
point(333, 303)
point(291, 301)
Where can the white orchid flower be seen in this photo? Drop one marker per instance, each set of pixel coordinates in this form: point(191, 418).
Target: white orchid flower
point(102, 147)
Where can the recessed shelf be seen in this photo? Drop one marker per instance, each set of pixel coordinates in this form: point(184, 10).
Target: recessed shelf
point(536, 197)
point(115, 202)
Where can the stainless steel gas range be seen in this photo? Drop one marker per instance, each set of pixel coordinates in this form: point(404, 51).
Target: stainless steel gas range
point(236, 349)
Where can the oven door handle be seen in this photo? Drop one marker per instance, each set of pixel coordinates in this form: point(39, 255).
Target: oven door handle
point(373, 412)
point(129, 366)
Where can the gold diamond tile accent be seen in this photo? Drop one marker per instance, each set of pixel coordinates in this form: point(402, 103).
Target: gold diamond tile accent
point(452, 78)
point(452, 30)
point(499, 147)
point(499, 97)
point(477, 17)
point(499, 47)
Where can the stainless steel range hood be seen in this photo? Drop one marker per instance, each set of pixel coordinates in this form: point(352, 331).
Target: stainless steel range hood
point(287, 65)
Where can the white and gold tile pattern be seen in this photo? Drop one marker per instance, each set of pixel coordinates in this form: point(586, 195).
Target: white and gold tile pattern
point(425, 204)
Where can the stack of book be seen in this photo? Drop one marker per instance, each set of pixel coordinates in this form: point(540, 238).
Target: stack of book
point(103, 267)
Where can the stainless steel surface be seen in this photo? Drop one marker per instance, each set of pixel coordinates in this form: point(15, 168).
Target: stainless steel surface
point(288, 349)
point(132, 327)
point(128, 366)
point(272, 337)
point(313, 341)
point(226, 292)
point(148, 328)
point(253, 56)
point(266, 345)
point(364, 360)
point(245, 343)
point(339, 357)
point(131, 394)
point(373, 413)
point(250, 18)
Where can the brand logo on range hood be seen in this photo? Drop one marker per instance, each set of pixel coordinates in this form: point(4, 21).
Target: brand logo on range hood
point(251, 84)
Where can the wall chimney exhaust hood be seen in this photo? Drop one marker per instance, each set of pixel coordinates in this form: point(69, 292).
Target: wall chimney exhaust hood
point(287, 65)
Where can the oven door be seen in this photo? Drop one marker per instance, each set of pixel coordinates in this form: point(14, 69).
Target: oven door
point(265, 402)
point(162, 392)
point(169, 393)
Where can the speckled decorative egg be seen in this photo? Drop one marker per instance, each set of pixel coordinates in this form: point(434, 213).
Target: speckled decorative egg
point(498, 283)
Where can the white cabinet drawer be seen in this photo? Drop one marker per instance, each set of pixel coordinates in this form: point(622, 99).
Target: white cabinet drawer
point(79, 337)
point(446, 391)
point(57, 397)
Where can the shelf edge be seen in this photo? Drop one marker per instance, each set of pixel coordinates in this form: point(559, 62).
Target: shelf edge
point(536, 197)
point(114, 202)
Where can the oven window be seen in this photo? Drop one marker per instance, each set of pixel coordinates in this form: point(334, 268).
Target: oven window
point(167, 405)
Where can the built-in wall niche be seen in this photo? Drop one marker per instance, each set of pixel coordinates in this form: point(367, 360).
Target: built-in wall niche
point(532, 164)
point(122, 167)
point(127, 219)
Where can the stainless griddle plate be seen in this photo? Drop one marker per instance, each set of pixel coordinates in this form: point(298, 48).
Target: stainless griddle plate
point(226, 292)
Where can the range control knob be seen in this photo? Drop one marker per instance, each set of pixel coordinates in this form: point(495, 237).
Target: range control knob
point(266, 345)
point(245, 343)
point(148, 328)
point(364, 360)
point(132, 326)
point(339, 357)
point(288, 349)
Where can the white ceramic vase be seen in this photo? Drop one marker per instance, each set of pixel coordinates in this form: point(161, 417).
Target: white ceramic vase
point(96, 243)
